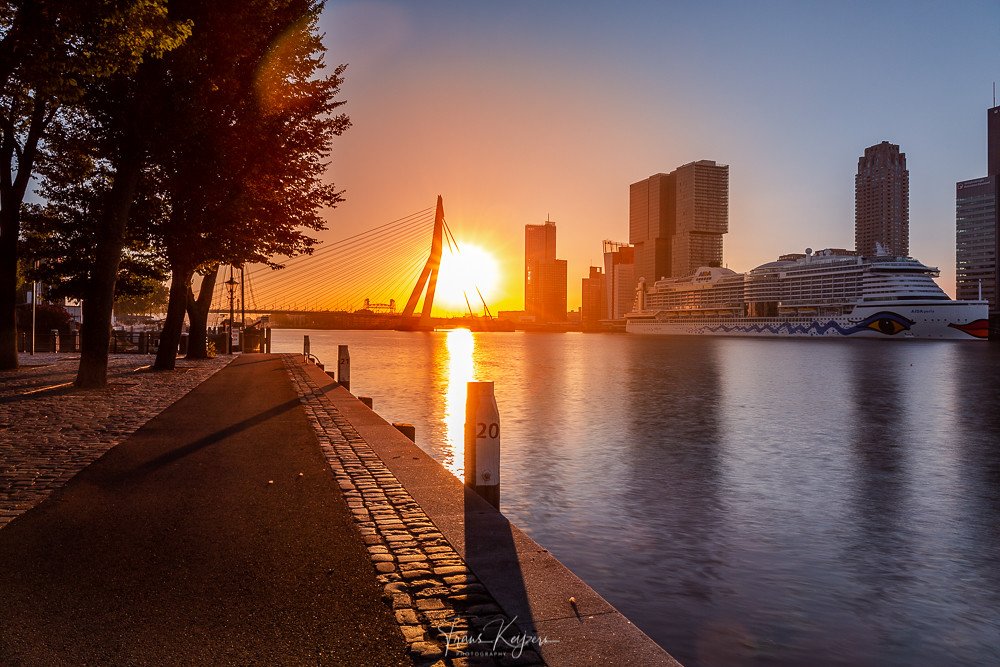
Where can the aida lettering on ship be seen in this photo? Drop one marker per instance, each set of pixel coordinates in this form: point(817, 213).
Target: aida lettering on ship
point(830, 293)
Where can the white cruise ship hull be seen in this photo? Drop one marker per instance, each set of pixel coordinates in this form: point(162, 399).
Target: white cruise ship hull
point(937, 320)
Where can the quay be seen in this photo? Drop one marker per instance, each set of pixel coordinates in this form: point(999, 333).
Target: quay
point(266, 516)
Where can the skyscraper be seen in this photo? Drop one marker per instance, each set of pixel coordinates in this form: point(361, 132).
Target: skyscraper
point(676, 220)
point(977, 219)
point(702, 202)
point(619, 279)
point(975, 239)
point(592, 299)
point(544, 275)
point(882, 202)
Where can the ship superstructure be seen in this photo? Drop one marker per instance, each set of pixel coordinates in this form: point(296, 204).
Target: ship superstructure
point(832, 292)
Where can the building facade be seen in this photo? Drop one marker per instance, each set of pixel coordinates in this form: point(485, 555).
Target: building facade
point(676, 220)
point(544, 275)
point(977, 221)
point(882, 202)
point(619, 279)
point(976, 239)
point(592, 307)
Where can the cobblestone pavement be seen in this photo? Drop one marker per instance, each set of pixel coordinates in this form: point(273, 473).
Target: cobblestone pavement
point(49, 430)
point(438, 603)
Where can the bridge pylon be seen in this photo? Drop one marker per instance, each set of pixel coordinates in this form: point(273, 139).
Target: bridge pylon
point(428, 277)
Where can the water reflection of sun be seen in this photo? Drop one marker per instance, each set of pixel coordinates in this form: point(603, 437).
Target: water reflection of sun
point(460, 345)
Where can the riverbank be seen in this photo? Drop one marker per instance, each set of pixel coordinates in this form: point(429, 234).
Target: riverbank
point(177, 533)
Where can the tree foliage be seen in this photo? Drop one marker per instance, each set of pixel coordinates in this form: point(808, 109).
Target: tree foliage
point(245, 185)
point(180, 139)
point(52, 54)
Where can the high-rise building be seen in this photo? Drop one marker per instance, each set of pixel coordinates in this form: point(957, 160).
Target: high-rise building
point(976, 239)
point(993, 141)
point(977, 221)
point(882, 202)
point(651, 214)
point(592, 301)
point(702, 202)
point(676, 220)
point(619, 279)
point(544, 275)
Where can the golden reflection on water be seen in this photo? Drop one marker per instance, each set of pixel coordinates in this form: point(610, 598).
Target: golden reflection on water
point(460, 345)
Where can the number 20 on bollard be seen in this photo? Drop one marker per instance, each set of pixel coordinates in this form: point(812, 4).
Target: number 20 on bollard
point(482, 442)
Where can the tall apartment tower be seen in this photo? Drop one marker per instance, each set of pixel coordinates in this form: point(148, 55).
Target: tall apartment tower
point(977, 219)
point(882, 202)
point(544, 275)
point(592, 296)
point(619, 279)
point(676, 220)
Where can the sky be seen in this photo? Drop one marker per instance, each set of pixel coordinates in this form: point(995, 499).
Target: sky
point(520, 111)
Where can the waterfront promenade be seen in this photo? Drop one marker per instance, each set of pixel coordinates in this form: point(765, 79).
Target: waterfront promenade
point(50, 432)
point(266, 517)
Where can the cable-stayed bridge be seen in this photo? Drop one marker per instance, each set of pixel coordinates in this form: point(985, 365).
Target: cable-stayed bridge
point(358, 281)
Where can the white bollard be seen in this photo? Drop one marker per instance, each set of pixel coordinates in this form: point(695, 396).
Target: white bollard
point(482, 442)
point(344, 367)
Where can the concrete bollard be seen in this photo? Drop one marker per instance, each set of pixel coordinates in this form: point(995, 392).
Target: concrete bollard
point(409, 430)
point(344, 367)
point(367, 400)
point(482, 442)
point(305, 346)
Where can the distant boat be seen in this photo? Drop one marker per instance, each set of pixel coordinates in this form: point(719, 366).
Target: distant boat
point(832, 293)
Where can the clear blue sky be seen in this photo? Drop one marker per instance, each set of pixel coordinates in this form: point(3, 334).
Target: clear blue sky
point(518, 110)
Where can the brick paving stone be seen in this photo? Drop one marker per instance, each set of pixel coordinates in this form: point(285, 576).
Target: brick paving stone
point(50, 431)
point(429, 607)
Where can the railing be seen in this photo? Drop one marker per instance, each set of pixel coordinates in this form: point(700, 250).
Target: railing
point(141, 342)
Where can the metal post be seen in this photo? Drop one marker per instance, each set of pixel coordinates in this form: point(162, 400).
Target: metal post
point(344, 367)
point(305, 345)
point(482, 442)
point(231, 284)
point(267, 340)
point(34, 298)
point(243, 305)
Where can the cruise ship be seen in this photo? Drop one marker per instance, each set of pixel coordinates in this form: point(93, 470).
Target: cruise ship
point(830, 293)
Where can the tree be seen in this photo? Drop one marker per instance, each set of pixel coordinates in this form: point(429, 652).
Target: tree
point(52, 52)
point(244, 184)
point(152, 298)
point(197, 310)
point(60, 235)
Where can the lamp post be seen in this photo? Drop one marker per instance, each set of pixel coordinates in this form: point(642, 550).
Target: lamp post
point(231, 285)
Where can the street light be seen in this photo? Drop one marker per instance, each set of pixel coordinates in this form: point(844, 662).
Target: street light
point(231, 285)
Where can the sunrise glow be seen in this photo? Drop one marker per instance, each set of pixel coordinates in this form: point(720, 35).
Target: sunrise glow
point(461, 273)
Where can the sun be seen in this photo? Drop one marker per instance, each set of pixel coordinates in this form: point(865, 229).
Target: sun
point(462, 273)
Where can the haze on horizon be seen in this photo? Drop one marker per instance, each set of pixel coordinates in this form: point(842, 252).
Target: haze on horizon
point(526, 110)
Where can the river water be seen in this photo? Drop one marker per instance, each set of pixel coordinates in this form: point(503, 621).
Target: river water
point(745, 502)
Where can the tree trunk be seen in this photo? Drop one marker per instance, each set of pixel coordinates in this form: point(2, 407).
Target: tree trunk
point(9, 229)
point(13, 185)
point(99, 292)
point(198, 316)
point(180, 285)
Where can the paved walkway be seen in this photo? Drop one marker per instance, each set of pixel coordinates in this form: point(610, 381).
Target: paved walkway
point(50, 431)
point(216, 534)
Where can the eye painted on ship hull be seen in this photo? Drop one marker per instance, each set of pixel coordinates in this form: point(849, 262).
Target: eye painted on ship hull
point(885, 322)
